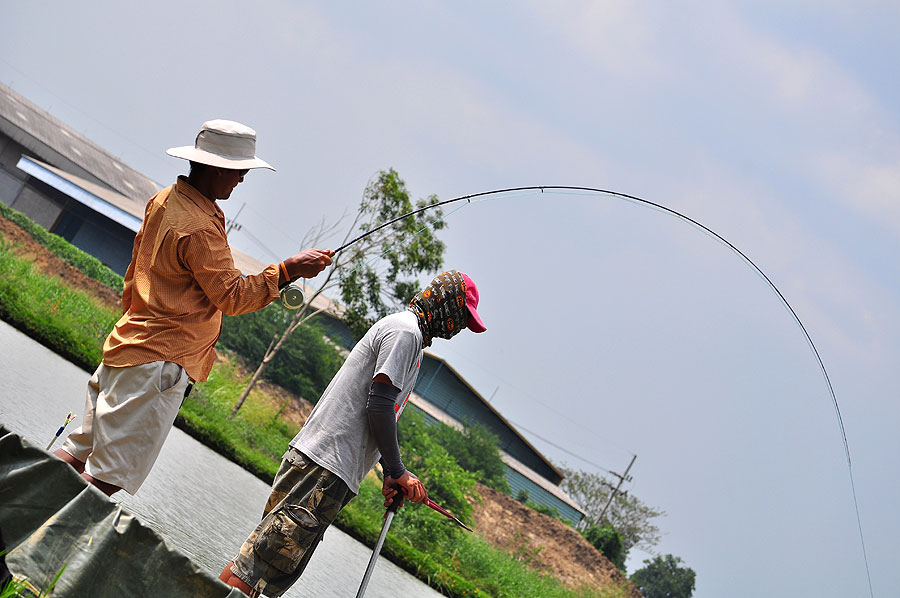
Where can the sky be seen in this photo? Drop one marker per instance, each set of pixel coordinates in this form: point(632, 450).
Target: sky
point(613, 329)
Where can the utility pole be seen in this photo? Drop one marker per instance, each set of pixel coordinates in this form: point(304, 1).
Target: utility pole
point(622, 478)
point(233, 222)
point(491, 398)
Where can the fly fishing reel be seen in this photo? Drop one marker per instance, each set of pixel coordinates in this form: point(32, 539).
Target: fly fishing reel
point(292, 295)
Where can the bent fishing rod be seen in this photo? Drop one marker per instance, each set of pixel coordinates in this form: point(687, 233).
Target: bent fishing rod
point(704, 228)
point(670, 211)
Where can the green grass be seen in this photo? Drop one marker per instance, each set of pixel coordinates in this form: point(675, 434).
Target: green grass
point(85, 262)
point(69, 321)
point(503, 574)
point(15, 588)
point(255, 438)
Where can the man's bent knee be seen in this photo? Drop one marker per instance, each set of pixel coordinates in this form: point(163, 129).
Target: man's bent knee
point(75, 463)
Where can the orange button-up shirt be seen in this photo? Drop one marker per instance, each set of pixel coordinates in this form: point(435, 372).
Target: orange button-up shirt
point(180, 281)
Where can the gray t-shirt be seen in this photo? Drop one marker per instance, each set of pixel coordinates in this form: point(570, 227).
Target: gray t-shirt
point(336, 434)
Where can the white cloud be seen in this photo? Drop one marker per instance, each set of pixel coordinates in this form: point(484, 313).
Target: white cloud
point(617, 37)
point(872, 187)
point(842, 306)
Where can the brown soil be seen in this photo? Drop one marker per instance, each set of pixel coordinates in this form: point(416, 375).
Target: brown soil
point(547, 545)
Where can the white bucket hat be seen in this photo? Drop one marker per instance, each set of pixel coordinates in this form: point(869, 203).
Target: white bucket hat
point(223, 143)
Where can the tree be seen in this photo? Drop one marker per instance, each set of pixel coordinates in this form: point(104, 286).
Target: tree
point(626, 513)
point(662, 577)
point(395, 254)
point(384, 272)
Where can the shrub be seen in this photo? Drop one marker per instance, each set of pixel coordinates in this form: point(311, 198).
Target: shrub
point(475, 449)
point(609, 542)
point(549, 511)
point(447, 482)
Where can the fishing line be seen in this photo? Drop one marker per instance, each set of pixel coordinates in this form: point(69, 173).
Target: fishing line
point(572, 190)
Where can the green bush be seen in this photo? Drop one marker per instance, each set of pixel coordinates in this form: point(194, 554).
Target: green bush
point(475, 448)
point(255, 438)
point(609, 542)
point(424, 556)
point(304, 365)
point(447, 482)
point(85, 262)
point(549, 511)
point(458, 564)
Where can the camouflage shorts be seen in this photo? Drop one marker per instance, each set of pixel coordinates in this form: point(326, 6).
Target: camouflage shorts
point(305, 499)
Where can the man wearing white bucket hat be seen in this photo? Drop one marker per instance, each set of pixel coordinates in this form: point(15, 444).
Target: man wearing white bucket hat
point(180, 281)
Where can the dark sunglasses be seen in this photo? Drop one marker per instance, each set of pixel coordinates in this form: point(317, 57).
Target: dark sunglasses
point(244, 172)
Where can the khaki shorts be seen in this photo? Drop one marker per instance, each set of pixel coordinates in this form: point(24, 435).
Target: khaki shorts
point(305, 499)
point(127, 417)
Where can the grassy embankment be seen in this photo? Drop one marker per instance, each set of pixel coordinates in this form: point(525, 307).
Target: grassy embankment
point(74, 323)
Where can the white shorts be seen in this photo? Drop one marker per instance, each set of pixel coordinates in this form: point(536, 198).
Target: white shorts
point(127, 417)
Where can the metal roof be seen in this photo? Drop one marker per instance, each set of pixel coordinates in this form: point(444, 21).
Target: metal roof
point(51, 140)
point(115, 206)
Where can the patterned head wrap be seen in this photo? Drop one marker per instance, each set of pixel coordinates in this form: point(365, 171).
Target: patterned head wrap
point(441, 306)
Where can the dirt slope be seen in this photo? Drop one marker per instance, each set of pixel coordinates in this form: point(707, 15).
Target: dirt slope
point(547, 544)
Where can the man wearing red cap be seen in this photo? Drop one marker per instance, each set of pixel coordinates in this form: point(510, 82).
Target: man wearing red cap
point(352, 427)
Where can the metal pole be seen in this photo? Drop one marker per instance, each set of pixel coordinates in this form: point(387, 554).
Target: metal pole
point(615, 491)
point(233, 221)
point(388, 517)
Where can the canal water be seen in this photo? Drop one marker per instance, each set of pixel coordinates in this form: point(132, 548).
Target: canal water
point(199, 502)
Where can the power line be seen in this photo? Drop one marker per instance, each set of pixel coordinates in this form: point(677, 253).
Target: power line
point(554, 445)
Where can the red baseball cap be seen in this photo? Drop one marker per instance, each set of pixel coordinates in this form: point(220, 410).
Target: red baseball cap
point(474, 323)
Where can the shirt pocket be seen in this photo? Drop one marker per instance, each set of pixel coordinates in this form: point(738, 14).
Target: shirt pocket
point(291, 532)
